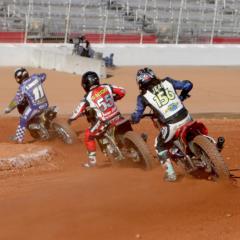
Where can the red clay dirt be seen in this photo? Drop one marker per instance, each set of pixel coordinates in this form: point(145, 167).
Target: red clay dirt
point(64, 201)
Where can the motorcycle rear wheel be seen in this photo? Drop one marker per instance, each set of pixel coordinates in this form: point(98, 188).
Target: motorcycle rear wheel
point(64, 132)
point(207, 151)
point(134, 142)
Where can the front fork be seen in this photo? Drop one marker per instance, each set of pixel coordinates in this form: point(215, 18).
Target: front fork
point(185, 159)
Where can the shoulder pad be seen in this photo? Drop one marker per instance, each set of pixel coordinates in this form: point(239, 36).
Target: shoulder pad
point(166, 79)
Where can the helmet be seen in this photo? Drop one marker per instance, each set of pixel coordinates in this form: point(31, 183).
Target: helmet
point(21, 74)
point(150, 71)
point(90, 79)
point(144, 77)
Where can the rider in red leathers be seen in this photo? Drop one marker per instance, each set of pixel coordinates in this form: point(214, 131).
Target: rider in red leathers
point(100, 98)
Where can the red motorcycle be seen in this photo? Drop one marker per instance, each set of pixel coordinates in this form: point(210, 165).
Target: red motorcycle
point(120, 143)
point(195, 151)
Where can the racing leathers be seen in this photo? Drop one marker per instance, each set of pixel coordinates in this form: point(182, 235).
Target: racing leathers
point(162, 98)
point(31, 92)
point(101, 100)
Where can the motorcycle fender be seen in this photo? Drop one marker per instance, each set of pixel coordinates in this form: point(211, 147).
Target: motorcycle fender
point(191, 145)
point(210, 139)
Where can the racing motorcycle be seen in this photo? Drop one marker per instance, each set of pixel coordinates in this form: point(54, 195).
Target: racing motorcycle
point(120, 143)
point(45, 126)
point(195, 151)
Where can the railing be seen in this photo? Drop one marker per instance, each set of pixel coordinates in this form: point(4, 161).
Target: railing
point(121, 21)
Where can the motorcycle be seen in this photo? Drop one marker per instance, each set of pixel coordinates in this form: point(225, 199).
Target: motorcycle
point(45, 126)
point(120, 143)
point(195, 151)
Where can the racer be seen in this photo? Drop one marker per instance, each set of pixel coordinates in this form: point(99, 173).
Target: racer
point(30, 99)
point(161, 96)
point(100, 98)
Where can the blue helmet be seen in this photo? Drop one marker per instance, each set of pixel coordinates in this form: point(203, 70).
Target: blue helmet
point(144, 77)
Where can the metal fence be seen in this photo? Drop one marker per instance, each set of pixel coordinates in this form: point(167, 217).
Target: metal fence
point(138, 21)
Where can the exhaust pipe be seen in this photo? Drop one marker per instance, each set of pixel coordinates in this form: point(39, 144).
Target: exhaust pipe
point(220, 143)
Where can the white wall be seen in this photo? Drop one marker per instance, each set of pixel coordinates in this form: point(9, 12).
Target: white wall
point(48, 56)
point(58, 56)
point(172, 55)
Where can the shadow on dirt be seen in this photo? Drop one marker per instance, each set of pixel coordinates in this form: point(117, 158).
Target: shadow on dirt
point(123, 164)
point(201, 175)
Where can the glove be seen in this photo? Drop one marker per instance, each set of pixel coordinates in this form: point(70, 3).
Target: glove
point(132, 119)
point(7, 110)
point(183, 97)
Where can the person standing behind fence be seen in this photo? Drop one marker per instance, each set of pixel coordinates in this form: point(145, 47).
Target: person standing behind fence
point(84, 48)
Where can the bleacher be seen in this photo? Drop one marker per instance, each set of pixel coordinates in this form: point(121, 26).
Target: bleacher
point(149, 21)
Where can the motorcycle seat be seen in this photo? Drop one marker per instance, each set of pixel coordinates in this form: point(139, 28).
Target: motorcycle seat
point(50, 109)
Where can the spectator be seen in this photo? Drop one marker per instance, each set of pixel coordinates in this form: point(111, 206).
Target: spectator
point(109, 61)
point(82, 47)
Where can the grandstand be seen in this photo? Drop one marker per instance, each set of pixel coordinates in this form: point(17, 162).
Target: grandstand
point(124, 21)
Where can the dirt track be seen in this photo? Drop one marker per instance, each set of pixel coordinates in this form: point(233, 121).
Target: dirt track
point(63, 201)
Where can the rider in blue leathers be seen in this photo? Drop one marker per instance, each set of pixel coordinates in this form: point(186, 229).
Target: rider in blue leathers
point(160, 95)
point(30, 94)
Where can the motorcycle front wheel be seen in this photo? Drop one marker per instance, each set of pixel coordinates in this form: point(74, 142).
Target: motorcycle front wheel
point(64, 132)
point(138, 151)
point(209, 154)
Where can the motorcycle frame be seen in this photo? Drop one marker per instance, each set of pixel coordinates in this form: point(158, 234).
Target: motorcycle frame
point(183, 140)
point(114, 134)
point(42, 123)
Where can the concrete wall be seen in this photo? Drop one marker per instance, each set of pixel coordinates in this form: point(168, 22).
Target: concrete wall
point(59, 57)
point(172, 55)
point(49, 56)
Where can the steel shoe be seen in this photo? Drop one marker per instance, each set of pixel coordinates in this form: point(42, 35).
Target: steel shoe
point(92, 161)
point(170, 177)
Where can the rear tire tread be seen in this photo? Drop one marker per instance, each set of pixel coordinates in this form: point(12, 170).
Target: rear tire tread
point(210, 149)
point(142, 148)
point(67, 128)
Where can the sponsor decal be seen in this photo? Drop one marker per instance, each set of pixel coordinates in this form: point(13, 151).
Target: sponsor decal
point(172, 107)
point(99, 94)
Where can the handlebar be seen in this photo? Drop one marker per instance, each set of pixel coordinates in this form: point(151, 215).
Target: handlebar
point(185, 97)
point(151, 115)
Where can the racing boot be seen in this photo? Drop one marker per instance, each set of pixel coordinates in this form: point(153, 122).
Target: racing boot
point(170, 175)
point(14, 139)
point(92, 161)
point(19, 137)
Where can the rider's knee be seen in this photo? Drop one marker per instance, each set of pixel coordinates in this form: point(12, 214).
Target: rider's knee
point(23, 121)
